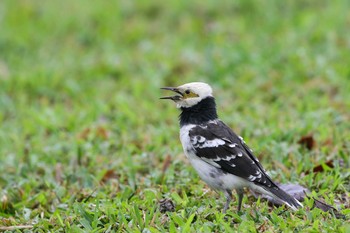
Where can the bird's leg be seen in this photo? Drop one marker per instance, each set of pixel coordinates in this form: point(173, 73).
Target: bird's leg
point(228, 195)
point(240, 193)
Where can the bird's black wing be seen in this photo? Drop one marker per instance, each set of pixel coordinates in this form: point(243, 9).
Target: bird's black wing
point(217, 144)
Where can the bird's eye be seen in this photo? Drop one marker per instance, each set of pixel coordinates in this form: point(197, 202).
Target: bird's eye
point(187, 92)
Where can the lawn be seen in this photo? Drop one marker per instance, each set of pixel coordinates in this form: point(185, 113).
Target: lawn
point(87, 146)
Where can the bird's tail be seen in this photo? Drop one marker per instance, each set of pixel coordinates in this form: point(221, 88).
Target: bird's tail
point(285, 198)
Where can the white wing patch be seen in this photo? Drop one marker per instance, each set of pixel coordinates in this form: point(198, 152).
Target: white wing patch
point(242, 140)
point(257, 175)
point(251, 178)
point(228, 158)
point(203, 143)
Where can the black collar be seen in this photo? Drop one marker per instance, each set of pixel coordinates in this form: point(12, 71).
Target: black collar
point(200, 113)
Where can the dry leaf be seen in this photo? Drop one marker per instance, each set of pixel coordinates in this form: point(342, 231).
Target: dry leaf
point(295, 190)
point(110, 174)
point(308, 142)
point(166, 164)
point(327, 208)
point(320, 168)
point(85, 134)
point(102, 132)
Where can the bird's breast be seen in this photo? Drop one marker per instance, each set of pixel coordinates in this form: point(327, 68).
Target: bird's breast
point(185, 139)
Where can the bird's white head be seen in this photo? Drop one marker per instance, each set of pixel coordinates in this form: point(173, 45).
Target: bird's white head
point(189, 94)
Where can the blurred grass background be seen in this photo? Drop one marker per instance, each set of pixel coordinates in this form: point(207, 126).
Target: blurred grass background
point(81, 122)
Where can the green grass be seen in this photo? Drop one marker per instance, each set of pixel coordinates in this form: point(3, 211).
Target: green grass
point(79, 89)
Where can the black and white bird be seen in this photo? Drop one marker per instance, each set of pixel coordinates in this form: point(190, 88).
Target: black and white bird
point(221, 158)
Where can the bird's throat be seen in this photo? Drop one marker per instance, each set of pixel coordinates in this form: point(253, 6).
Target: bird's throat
point(200, 113)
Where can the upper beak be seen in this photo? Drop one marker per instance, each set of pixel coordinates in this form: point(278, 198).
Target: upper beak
point(174, 89)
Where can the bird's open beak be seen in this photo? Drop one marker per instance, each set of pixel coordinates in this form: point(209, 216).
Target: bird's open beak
point(175, 97)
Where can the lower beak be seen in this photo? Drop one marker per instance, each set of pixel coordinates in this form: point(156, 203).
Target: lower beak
point(175, 97)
